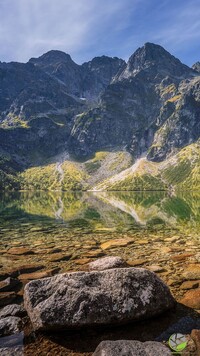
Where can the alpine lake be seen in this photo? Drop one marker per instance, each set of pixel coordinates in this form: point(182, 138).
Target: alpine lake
point(55, 232)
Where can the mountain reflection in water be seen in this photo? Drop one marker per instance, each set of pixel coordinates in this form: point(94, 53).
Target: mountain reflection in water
point(104, 210)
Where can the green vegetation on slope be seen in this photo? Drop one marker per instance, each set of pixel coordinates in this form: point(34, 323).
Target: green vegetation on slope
point(50, 177)
point(40, 178)
point(108, 171)
point(139, 182)
point(73, 177)
point(182, 171)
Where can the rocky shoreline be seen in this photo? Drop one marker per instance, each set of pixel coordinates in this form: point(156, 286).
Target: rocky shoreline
point(107, 295)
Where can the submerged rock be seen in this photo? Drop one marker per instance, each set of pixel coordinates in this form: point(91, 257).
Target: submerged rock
point(107, 262)
point(38, 275)
point(192, 299)
point(82, 299)
point(116, 242)
point(190, 284)
point(20, 251)
point(131, 348)
point(192, 271)
point(58, 257)
point(25, 269)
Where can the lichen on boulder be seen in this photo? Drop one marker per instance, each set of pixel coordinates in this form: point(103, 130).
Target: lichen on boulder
point(82, 299)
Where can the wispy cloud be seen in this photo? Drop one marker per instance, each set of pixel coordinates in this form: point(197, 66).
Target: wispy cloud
point(32, 27)
point(181, 26)
point(85, 28)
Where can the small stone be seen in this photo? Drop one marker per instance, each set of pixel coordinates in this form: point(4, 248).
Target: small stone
point(172, 282)
point(8, 284)
point(54, 250)
point(10, 325)
point(192, 299)
point(192, 271)
point(116, 243)
point(106, 263)
point(172, 239)
point(190, 284)
point(143, 242)
point(38, 275)
point(58, 257)
point(131, 348)
point(13, 310)
point(24, 269)
point(82, 261)
point(181, 257)
point(7, 298)
point(156, 268)
point(91, 254)
point(20, 251)
point(195, 335)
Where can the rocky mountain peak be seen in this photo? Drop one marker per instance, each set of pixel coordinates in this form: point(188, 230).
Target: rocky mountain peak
point(60, 65)
point(196, 67)
point(104, 61)
point(154, 59)
point(51, 57)
point(151, 54)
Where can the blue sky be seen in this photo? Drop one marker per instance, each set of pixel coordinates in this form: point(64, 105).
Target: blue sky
point(89, 28)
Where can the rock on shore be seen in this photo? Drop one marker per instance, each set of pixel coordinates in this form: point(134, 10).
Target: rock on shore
point(82, 299)
point(131, 348)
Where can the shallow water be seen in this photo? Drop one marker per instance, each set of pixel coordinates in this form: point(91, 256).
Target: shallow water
point(66, 230)
point(77, 222)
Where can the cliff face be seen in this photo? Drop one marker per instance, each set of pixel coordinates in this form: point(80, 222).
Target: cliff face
point(50, 105)
point(137, 104)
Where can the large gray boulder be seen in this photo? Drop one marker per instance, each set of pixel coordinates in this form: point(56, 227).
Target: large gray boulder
point(131, 348)
point(82, 299)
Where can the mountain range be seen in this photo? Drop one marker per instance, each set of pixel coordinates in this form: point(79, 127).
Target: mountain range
point(105, 124)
